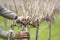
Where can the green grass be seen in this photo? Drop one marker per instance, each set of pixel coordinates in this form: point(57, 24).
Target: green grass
point(43, 35)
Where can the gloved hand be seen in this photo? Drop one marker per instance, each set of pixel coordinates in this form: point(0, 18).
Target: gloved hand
point(23, 19)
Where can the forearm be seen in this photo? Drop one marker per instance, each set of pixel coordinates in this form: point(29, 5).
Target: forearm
point(4, 34)
point(7, 13)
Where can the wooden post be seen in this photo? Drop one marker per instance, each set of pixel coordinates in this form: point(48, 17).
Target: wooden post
point(49, 30)
point(37, 28)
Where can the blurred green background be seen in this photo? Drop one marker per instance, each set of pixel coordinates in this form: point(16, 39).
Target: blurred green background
point(43, 29)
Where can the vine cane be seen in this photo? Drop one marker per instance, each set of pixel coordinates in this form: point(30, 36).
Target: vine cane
point(37, 28)
point(10, 35)
point(49, 31)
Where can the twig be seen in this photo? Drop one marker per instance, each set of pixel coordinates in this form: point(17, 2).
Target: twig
point(15, 6)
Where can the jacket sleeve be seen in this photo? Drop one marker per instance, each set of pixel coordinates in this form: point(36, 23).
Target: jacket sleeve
point(5, 34)
point(7, 13)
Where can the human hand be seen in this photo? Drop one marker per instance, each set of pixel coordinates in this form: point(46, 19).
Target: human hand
point(23, 19)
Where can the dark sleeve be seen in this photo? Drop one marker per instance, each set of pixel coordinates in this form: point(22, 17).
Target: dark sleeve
point(7, 13)
point(4, 34)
